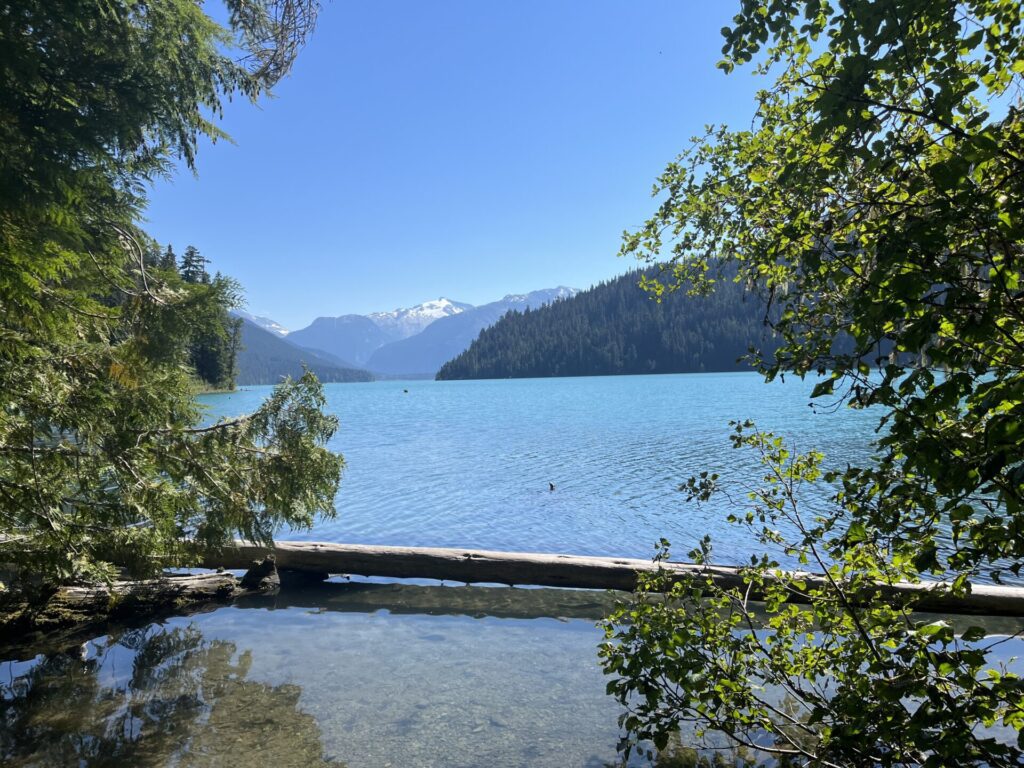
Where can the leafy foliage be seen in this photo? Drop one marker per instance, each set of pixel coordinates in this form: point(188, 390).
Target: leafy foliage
point(854, 679)
point(615, 328)
point(102, 454)
point(876, 196)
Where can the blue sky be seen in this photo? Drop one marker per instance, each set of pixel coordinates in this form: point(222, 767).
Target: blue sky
point(456, 147)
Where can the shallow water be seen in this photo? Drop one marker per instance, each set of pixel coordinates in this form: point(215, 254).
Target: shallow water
point(467, 463)
point(358, 674)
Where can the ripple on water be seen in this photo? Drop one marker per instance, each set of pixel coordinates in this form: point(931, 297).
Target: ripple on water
point(468, 464)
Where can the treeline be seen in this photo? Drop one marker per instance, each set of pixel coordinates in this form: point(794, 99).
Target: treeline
point(213, 337)
point(617, 328)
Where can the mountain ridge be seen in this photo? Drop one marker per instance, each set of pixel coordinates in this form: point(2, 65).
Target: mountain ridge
point(402, 339)
point(350, 337)
point(408, 321)
point(265, 323)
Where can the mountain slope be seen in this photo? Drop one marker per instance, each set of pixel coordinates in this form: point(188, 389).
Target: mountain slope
point(350, 337)
point(403, 323)
point(263, 322)
point(616, 328)
point(445, 338)
point(266, 358)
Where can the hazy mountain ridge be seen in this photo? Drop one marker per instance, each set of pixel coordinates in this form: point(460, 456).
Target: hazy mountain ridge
point(415, 340)
point(350, 337)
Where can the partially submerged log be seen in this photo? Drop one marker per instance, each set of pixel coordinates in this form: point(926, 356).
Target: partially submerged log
point(25, 614)
point(574, 571)
point(35, 619)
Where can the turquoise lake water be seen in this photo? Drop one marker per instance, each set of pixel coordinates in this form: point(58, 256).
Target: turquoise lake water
point(468, 463)
point(371, 674)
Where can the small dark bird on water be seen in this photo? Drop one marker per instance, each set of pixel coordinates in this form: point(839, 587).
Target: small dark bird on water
point(551, 486)
point(406, 391)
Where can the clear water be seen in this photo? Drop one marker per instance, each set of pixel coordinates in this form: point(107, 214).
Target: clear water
point(355, 675)
point(363, 675)
point(372, 674)
point(468, 463)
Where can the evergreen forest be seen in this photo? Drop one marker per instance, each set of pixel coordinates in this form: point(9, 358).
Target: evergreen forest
point(618, 328)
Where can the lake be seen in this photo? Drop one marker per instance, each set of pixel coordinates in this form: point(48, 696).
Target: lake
point(367, 673)
point(468, 463)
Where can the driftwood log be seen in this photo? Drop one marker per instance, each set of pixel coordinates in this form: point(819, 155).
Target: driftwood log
point(49, 617)
point(25, 616)
point(575, 571)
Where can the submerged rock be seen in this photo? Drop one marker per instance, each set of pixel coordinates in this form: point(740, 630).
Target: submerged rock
point(262, 576)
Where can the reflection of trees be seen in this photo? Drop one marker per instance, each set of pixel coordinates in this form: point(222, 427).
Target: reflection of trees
point(153, 699)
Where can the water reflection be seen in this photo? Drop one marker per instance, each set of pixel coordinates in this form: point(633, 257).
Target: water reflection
point(151, 697)
point(372, 674)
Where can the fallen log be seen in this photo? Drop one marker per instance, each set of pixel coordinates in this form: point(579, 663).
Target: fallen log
point(56, 616)
point(23, 615)
point(573, 571)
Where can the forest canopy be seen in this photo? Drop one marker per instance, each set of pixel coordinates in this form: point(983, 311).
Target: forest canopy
point(104, 455)
point(615, 328)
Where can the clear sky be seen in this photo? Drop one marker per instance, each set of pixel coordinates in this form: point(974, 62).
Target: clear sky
point(453, 148)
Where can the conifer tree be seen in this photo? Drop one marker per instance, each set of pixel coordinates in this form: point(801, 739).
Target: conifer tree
point(104, 455)
point(169, 260)
point(193, 266)
point(152, 255)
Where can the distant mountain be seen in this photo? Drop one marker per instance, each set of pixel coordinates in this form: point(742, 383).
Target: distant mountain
point(263, 322)
point(616, 328)
point(350, 337)
point(403, 323)
point(355, 337)
point(266, 358)
point(446, 337)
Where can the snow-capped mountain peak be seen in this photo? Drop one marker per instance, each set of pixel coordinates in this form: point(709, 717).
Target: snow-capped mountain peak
point(407, 321)
point(545, 296)
point(263, 322)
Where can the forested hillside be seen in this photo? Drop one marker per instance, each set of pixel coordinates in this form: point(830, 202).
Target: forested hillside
point(617, 328)
point(266, 358)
